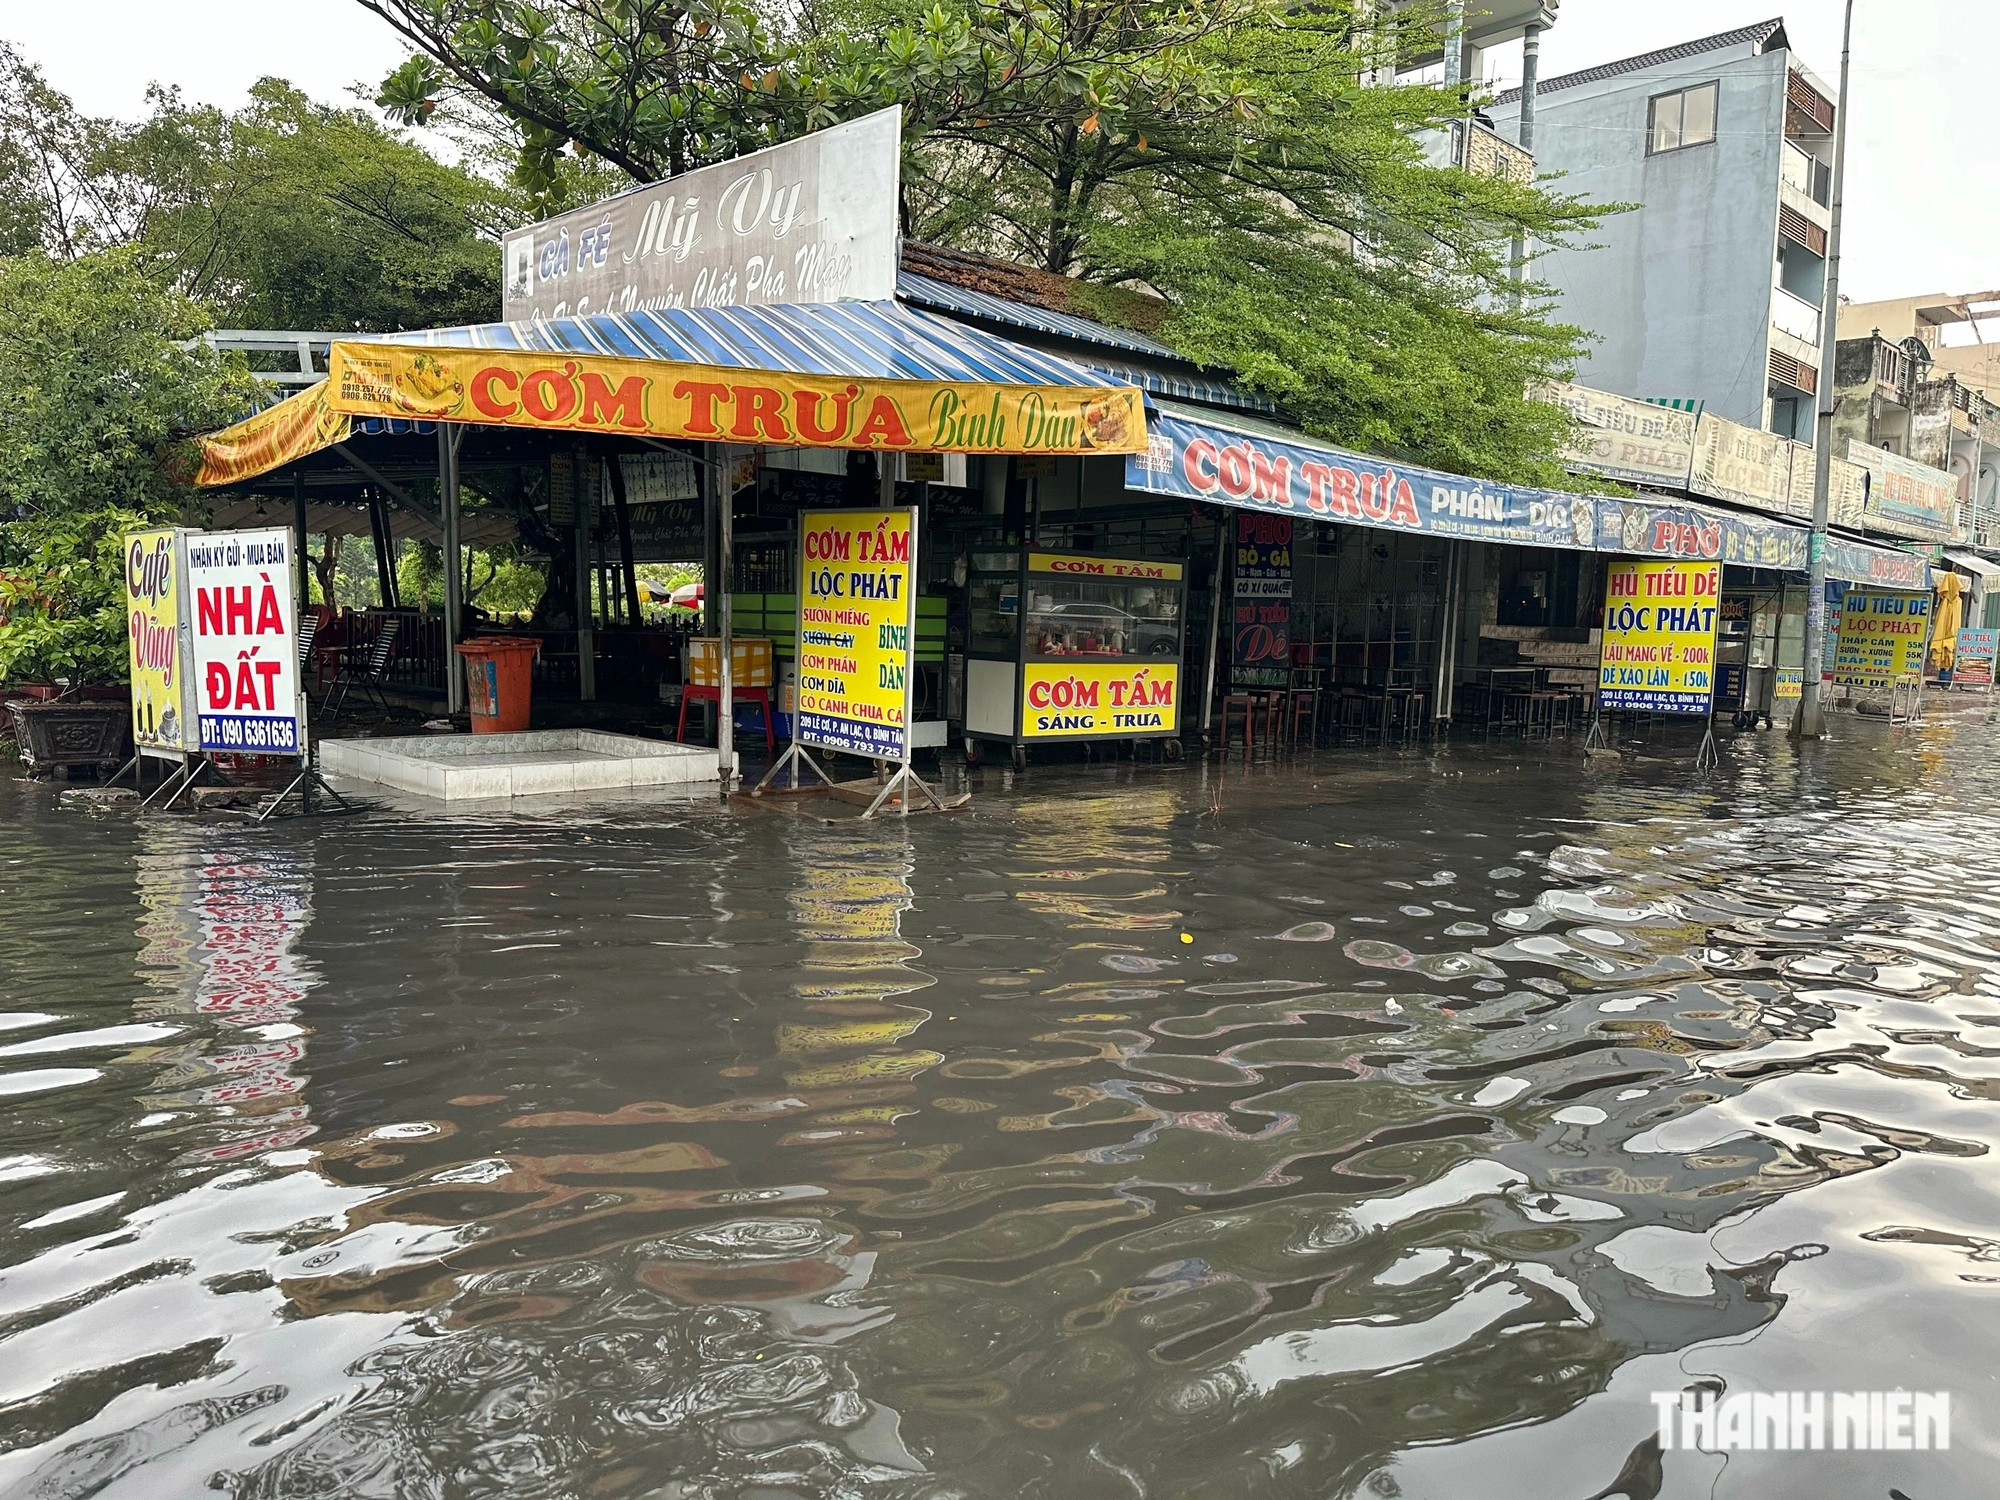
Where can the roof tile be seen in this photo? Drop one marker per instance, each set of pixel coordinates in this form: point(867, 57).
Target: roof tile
point(1760, 36)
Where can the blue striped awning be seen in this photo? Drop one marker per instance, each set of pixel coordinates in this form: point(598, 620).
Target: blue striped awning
point(880, 340)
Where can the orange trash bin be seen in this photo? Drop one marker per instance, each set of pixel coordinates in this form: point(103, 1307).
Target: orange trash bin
point(499, 681)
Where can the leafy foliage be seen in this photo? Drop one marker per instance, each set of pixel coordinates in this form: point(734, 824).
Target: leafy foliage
point(62, 597)
point(654, 87)
point(101, 373)
point(285, 214)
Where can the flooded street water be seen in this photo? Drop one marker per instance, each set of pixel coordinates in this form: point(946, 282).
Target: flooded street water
point(676, 1151)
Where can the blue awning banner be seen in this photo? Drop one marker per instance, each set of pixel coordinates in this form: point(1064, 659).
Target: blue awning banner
point(1882, 567)
point(1258, 466)
point(1665, 528)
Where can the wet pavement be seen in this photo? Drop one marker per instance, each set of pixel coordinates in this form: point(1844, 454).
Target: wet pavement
point(677, 1151)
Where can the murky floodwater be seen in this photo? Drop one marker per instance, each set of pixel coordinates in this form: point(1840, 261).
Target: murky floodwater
point(679, 1152)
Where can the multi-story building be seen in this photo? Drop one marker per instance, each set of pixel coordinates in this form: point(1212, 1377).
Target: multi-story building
point(1902, 387)
point(1710, 290)
point(1933, 320)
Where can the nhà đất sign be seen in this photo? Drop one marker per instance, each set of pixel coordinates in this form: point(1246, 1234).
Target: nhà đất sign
point(244, 657)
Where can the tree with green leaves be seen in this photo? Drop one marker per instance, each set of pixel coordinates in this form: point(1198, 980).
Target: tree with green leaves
point(1239, 160)
point(103, 377)
point(283, 214)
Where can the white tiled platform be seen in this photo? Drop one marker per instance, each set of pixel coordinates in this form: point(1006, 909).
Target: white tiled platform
point(462, 767)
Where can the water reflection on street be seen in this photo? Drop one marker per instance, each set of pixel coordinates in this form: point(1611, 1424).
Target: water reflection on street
point(1375, 1126)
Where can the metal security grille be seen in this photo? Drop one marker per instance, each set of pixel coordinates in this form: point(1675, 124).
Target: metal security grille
point(1794, 373)
point(1800, 230)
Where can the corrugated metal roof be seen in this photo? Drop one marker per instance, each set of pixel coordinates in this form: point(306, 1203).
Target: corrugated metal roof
point(1759, 36)
point(879, 340)
point(1185, 388)
point(1186, 381)
point(926, 291)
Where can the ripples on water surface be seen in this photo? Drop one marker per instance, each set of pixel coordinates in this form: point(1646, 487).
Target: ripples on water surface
point(680, 1153)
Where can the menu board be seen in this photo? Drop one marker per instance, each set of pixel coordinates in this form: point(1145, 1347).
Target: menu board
point(1261, 617)
point(1972, 663)
point(1882, 639)
point(857, 619)
point(1658, 653)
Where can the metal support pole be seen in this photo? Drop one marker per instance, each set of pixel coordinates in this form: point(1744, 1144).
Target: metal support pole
point(299, 538)
point(449, 436)
point(1809, 722)
point(718, 593)
point(385, 548)
point(614, 465)
point(1214, 626)
point(1447, 671)
point(586, 621)
point(1454, 43)
point(1531, 72)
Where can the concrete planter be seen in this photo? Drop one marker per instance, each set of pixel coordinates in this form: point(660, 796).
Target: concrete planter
point(57, 737)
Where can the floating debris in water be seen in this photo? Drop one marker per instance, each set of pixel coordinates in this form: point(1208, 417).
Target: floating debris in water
point(1379, 955)
point(1306, 932)
point(1580, 1114)
point(1499, 1091)
point(1135, 963)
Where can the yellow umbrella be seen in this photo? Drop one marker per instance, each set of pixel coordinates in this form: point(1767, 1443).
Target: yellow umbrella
point(1949, 610)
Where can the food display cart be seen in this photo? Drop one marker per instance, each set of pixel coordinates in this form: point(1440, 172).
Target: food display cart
point(1072, 646)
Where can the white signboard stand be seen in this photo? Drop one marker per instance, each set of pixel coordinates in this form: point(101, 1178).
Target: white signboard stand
point(239, 645)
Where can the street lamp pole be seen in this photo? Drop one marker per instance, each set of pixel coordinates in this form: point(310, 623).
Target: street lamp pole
point(1809, 723)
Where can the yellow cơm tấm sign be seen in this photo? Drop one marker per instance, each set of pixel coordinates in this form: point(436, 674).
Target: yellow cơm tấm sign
point(1080, 699)
point(1074, 565)
point(611, 395)
point(1658, 651)
point(153, 623)
point(857, 623)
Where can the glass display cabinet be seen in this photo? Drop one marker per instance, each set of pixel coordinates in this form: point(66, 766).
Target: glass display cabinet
point(1072, 646)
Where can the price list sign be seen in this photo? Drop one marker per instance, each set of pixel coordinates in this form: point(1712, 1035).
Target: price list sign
point(1658, 653)
point(857, 618)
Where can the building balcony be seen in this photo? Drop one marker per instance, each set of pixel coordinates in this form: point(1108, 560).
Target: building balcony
point(1473, 148)
point(1798, 320)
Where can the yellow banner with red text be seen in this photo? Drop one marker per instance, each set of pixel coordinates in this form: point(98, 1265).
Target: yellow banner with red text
point(1078, 699)
point(296, 426)
point(596, 393)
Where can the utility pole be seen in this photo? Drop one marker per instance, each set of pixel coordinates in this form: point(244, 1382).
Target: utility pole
point(1809, 723)
point(1531, 77)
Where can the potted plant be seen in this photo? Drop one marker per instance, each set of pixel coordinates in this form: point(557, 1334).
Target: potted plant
point(63, 655)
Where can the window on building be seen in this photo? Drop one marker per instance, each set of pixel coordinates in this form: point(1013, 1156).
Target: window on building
point(1787, 412)
point(1686, 118)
